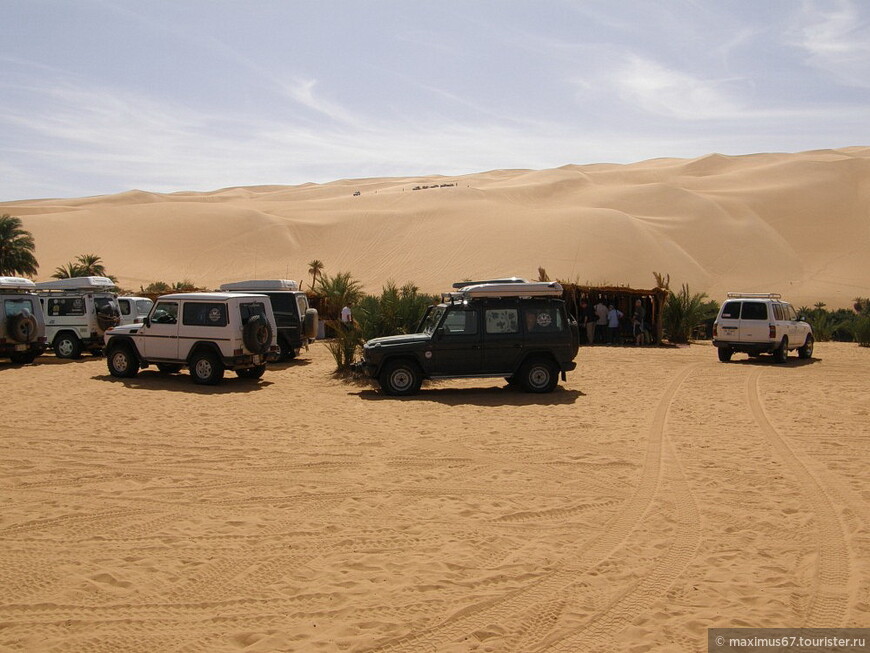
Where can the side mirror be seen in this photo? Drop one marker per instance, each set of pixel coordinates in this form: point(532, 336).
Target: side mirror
point(146, 321)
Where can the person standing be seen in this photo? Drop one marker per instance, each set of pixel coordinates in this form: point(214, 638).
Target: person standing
point(613, 317)
point(601, 320)
point(638, 320)
point(346, 317)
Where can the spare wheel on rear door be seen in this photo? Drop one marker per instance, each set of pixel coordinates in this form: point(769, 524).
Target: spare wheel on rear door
point(257, 334)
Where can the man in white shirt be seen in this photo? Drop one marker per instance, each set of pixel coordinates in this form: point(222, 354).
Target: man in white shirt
point(346, 317)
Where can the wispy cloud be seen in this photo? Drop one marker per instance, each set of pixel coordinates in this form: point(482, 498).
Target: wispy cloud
point(836, 36)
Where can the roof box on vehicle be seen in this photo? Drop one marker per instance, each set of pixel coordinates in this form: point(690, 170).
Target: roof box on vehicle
point(16, 283)
point(463, 284)
point(512, 289)
point(77, 283)
point(260, 285)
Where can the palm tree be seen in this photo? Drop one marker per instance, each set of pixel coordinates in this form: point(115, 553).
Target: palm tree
point(339, 291)
point(683, 311)
point(86, 265)
point(315, 268)
point(67, 271)
point(16, 248)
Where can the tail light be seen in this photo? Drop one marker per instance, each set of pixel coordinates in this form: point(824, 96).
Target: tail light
point(238, 352)
point(715, 330)
point(772, 333)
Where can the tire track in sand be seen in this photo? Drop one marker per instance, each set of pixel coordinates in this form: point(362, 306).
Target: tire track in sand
point(830, 602)
point(585, 555)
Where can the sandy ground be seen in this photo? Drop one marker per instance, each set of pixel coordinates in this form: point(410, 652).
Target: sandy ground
point(654, 495)
point(795, 224)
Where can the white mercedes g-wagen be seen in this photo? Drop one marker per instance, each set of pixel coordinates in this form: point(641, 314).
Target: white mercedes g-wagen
point(22, 327)
point(760, 323)
point(134, 309)
point(77, 313)
point(205, 332)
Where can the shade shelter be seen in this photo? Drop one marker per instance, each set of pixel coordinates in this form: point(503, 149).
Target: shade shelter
point(623, 298)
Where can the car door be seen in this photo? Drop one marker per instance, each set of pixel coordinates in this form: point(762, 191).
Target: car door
point(728, 324)
point(502, 339)
point(754, 322)
point(456, 343)
point(160, 334)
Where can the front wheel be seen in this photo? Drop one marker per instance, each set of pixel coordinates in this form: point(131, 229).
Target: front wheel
point(67, 346)
point(806, 351)
point(539, 376)
point(122, 362)
point(725, 354)
point(206, 368)
point(401, 378)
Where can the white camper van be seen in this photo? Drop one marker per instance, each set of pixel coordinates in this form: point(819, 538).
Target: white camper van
point(77, 313)
point(22, 327)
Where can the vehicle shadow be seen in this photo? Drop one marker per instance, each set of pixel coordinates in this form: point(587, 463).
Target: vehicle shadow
point(767, 361)
point(154, 380)
point(50, 359)
point(500, 396)
point(288, 364)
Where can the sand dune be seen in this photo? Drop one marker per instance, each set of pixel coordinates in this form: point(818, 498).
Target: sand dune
point(793, 223)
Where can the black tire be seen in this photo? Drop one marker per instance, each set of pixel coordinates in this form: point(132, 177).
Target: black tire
point(806, 351)
point(206, 368)
point(252, 372)
point(539, 375)
point(285, 351)
point(22, 327)
point(401, 378)
point(169, 368)
point(310, 324)
point(257, 335)
point(512, 380)
point(780, 354)
point(122, 361)
point(107, 320)
point(67, 345)
point(23, 357)
point(725, 353)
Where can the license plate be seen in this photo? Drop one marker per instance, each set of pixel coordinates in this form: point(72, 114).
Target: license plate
point(20, 347)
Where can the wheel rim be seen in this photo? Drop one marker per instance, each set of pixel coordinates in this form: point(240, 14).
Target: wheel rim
point(65, 347)
point(401, 379)
point(809, 347)
point(119, 361)
point(203, 368)
point(539, 377)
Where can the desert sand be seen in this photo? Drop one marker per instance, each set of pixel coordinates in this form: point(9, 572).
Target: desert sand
point(655, 494)
point(790, 223)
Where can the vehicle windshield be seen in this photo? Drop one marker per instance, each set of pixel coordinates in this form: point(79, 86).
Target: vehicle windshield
point(431, 319)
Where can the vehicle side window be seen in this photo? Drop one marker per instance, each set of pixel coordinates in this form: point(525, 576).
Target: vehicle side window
point(543, 320)
point(16, 306)
point(247, 311)
point(460, 322)
point(778, 312)
point(204, 314)
point(125, 306)
point(502, 320)
point(143, 306)
point(165, 313)
point(302, 304)
point(754, 311)
point(64, 306)
point(790, 313)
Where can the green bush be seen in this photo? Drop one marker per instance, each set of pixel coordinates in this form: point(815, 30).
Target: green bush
point(684, 311)
point(395, 311)
point(345, 345)
point(862, 330)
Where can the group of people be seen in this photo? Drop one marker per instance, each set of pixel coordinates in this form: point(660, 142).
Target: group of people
point(603, 322)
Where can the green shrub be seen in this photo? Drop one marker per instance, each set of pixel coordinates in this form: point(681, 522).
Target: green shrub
point(345, 345)
point(684, 311)
point(862, 330)
point(395, 311)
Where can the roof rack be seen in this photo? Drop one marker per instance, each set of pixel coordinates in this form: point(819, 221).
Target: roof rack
point(502, 288)
point(261, 285)
point(463, 284)
point(77, 283)
point(17, 283)
point(754, 295)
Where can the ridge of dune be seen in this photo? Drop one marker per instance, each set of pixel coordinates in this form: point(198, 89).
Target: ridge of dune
point(798, 224)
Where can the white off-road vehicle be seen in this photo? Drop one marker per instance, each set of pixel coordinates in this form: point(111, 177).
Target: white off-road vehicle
point(760, 323)
point(206, 332)
point(134, 310)
point(77, 313)
point(297, 321)
point(22, 327)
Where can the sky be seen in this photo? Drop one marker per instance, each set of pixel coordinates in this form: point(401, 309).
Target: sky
point(99, 97)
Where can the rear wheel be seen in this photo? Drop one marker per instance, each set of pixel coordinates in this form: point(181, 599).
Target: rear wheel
point(401, 378)
point(122, 362)
point(725, 354)
point(206, 368)
point(807, 350)
point(67, 345)
point(780, 354)
point(539, 376)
